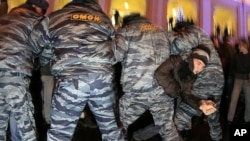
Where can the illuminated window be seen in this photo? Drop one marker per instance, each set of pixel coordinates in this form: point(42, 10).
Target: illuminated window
point(175, 7)
point(224, 24)
point(121, 8)
point(248, 24)
point(60, 3)
point(14, 3)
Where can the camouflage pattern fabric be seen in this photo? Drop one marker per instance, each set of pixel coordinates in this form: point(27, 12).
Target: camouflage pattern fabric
point(141, 47)
point(71, 96)
point(16, 54)
point(182, 118)
point(78, 43)
point(76, 39)
point(161, 106)
point(40, 43)
point(210, 83)
point(15, 99)
point(141, 52)
point(81, 38)
point(16, 62)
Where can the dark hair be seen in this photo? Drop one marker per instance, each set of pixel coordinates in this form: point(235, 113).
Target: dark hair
point(243, 40)
point(182, 24)
point(226, 39)
point(133, 16)
point(43, 4)
point(80, 2)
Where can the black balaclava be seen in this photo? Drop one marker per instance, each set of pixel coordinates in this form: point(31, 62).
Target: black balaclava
point(43, 4)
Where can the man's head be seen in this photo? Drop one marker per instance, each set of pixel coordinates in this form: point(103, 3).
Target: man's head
point(200, 56)
point(243, 46)
point(40, 6)
point(83, 1)
point(132, 17)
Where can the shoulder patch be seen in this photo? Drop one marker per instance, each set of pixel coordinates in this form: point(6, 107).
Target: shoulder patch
point(148, 27)
point(85, 17)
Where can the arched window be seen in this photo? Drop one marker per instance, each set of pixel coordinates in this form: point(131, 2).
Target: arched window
point(14, 3)
point(60, 3)
point(121, 8)
point(187, 7)
point(224, 24)
point(248, 24)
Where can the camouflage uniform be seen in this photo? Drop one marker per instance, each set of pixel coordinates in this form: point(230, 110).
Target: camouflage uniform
point(81, 37)
point(209, 84)
point(15, 69)
point(142, 47)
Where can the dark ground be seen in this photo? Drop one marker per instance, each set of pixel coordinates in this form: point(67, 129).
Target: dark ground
point(199, 132)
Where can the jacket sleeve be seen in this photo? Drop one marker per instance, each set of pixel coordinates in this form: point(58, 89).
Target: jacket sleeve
point(120, 46)
point(166, 78)
point(39, 41)
point(188, 97)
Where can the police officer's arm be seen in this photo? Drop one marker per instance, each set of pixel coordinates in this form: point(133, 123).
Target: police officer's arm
point(189, 98)
point(120, 46)
point(39, 41)
point(165, 76)
point(206, 106)
point(192, 100)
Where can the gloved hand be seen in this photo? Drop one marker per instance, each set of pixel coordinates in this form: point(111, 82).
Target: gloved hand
point(207, 107)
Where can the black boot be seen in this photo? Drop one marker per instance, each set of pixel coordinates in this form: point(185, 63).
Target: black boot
point(184, 134)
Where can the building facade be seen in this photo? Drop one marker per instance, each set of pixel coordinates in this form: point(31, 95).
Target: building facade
point(214, 16)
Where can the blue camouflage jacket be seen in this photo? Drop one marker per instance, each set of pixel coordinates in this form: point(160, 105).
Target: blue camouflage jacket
point(81, 36)
point(80, 39)
point(141, 47)
point(15, 53)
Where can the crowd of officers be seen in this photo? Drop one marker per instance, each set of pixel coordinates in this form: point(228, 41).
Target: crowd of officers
point(81, 46)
